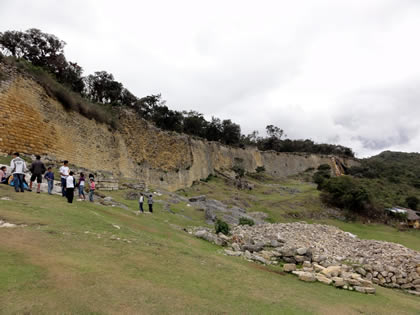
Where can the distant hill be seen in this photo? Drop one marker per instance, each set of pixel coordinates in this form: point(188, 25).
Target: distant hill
point(390, 177)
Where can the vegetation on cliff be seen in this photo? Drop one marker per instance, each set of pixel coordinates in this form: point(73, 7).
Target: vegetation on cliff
point(382, 181)
point(96, 95)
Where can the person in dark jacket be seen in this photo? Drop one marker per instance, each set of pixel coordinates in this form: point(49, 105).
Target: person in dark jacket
point(37, 169)
point(150, 202)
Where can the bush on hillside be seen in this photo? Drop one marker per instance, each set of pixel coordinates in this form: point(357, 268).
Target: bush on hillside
point(239, 170)
point(246, 221)
point(321, 177)
point(221, 227)
point(346, 193)
point(260, 169)
point(324, 167)
point(412, 202)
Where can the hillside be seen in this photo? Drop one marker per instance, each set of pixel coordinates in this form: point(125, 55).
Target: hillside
point(91, 258)
point(390, 177)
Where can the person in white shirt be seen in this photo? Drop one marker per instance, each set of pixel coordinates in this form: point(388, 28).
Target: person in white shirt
point(141, 199)
point(18, 167)
point(64, 172)
point(70, 184)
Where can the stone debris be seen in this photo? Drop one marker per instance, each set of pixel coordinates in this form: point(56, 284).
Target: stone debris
point(4, 224)
point(214, 209)
point(329, 254)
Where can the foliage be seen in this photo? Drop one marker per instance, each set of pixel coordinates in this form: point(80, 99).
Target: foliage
point(43, 50)
point(239, 170)
point(412, 202)
point(346, 193)
point(246, 221)
point(322, 175)
point(260, 169)
point(221, 227)
point(324, 167)
point(390, 177)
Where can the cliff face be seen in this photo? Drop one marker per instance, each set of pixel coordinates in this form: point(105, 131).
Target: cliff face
point(34, 123)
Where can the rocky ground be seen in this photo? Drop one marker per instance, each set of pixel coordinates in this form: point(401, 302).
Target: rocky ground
point(324, 253)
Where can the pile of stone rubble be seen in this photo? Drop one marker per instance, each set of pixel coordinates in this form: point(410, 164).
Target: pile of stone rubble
point(323, 253)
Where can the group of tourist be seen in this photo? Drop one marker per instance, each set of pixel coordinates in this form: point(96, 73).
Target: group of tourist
point(38, 170)
point(68, 181)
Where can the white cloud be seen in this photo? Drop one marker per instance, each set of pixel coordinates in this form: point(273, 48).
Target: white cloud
point(326, 70)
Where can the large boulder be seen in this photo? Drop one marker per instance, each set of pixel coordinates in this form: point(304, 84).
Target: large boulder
point(289, 267)
point(307, 276)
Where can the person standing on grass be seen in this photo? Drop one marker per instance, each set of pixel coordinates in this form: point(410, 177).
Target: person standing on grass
point(70, 184)
point(141, 199)
point(64, 172)
point(3, 177)
point(150, 202)
point(37, 169)
point(49, 176)
point(91, 189)
point(82, 181)
point(18, 167)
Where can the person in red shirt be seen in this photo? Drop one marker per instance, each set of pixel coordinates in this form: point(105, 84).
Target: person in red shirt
point(91, 189)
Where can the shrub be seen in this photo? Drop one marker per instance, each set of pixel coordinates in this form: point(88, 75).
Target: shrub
point(239, 170)
point(412, 202)
point(320, 178)
point(221, 227)
point(246, 221)
point(260, 169)
point(324, 167)
point(346, 193)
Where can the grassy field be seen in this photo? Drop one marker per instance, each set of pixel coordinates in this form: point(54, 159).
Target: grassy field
point(85, 258)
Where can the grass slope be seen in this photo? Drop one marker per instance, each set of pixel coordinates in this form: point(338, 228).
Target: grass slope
point(64, 261)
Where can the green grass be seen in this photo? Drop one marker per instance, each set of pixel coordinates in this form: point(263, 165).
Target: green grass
point(64, 261)
point(409, 238)
point(270, 195)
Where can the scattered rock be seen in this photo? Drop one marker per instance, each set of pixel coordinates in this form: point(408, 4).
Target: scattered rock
point(197, 198)
point(307, 276)
point(323, 279)
point(232, 253)
point(301, 251)
point(289, 267)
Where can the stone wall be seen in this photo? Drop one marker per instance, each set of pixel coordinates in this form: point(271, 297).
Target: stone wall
point(35, 123)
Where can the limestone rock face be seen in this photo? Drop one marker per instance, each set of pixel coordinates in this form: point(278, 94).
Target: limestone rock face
point(136, 149)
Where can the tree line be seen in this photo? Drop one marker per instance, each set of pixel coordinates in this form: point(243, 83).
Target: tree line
point(47, 52)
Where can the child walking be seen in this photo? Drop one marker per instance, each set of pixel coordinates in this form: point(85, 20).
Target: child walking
point(141, 199)
point(49, 176)
point(91, 189)
point(82, 186)
point(150, 202)
point(70, 183)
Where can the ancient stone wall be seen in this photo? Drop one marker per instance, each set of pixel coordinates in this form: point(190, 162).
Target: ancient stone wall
point(33, 122)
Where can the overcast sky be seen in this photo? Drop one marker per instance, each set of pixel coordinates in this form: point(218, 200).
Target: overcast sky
point(344, 72)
